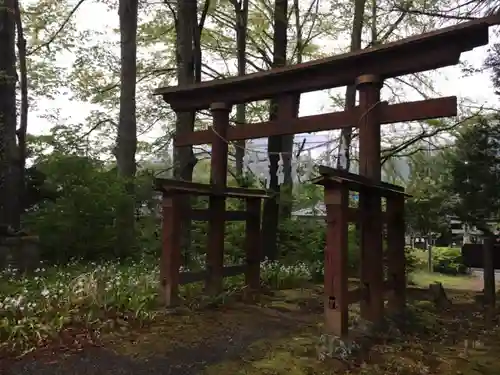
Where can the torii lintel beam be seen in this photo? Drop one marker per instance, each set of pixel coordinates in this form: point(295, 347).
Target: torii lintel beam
point(389, 114)
point(419, 53)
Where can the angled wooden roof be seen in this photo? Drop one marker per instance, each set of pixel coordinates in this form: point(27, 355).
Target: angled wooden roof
point(356, 182)
point(418, 53)
point(167, 185)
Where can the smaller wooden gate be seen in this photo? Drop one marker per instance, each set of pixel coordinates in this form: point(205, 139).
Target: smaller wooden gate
point(338, 184)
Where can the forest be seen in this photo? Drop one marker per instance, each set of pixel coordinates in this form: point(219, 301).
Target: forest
point(82, 138)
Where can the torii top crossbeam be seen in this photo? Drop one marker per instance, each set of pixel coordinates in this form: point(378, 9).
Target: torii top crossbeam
point(419, 53)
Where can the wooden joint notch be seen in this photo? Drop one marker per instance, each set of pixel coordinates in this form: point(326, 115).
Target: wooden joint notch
point(332, 303)
point(167, 201)
point(336, 196)
point(369, 79)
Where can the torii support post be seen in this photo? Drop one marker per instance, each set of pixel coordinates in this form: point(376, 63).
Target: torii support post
point(217, 203)
point(396, 252)
point(253, 245)
point(171, 251)
point(372, 275)
point(336, 302)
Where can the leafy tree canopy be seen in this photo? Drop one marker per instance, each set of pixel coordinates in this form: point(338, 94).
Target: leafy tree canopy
point(475, 172)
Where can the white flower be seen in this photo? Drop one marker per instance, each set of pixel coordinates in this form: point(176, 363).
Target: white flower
point(18, 301)
point(45, 292)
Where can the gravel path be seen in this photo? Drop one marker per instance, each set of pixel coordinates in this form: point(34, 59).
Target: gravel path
point(478, 272)
point(183, 361)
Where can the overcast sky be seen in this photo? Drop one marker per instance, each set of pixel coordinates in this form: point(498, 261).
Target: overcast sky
point(448, 81)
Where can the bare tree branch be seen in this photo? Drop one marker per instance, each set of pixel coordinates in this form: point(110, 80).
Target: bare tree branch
point(390, 152)
point(56, 34)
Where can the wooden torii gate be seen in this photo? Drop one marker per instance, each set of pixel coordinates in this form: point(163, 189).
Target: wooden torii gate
point(367, 69)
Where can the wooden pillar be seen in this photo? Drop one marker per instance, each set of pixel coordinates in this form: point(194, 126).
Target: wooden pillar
point(253, 244)
point(489, 271)
point(369, 126)
point(396, 252)
point(336, 265)
point(372, 303)
point(217, 204)
point(171, 251)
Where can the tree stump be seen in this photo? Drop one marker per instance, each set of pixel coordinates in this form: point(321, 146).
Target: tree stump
point(438, 295)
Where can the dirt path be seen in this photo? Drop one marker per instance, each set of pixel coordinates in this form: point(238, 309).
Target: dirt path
point(181, 345)
point(280, 337)
point(183, 361)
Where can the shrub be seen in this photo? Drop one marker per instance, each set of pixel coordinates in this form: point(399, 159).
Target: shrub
point(417, 257)
point(304, 240)
point(80, 222)
point(301, 240)
point(413, 261)
point(448, 260)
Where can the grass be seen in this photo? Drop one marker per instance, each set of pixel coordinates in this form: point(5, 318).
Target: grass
point(465, 282)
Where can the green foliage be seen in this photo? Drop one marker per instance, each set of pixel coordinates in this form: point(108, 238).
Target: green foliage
point(493, 63)
point(34, 309)
point(282, 276)
point(425, 210)
point(413, 261)
point(99, 296)
point(36, 189)
point(446, 260)
point(475, 172)
point(304, 240)
point(80, 222)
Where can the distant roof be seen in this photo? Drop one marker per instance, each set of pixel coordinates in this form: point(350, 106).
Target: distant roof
point(318, 210)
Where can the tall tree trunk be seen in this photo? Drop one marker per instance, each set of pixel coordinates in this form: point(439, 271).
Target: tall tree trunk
point(184, 159)
point(241, 11)
point(344, 155)
point(8, 148)
point(126, 144)
point(291, 108)
point(23, 122)
point(276, 144)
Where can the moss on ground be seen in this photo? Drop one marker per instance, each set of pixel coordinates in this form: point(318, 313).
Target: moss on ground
point(456, 341)
point(435, 346)
point(462, 282)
